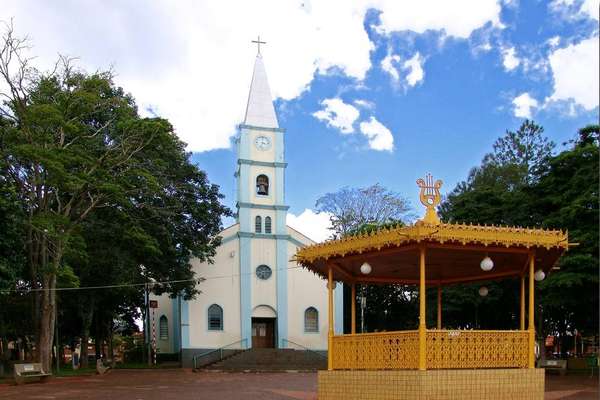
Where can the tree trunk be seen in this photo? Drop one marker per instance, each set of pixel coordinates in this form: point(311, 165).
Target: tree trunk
point(86, 312)
point(47, 317)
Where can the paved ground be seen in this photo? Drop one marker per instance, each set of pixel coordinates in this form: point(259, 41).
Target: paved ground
point(183, 384)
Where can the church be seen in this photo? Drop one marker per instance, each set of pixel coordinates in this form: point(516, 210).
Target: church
point(254, 294)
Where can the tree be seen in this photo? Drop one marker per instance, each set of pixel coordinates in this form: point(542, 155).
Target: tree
point(73, 143)
point(350, 208)
point(358, 210)
point(559, 192)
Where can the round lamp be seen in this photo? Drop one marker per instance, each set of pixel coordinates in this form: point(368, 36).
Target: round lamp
point(486, 264)
point(539, 275)
point(334, 285)
point(483, 291)
point(365, 269)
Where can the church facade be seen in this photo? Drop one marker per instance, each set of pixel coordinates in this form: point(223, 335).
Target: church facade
point(254, 294)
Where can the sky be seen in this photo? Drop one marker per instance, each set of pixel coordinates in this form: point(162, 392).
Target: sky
point(369, 91)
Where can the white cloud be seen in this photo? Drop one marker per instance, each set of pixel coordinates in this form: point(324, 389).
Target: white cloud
point(592, 8)
point(571, 9)
point(338, 114)
point(192, 63)
point(575, 69)
point(309, 223)
point(554, 41)
point(369, 105)
point(457, 18)
point(387, 64)
point(412, 68)
point(510, 59)
point(523, 105)
point(415, 66)
point(380, 137)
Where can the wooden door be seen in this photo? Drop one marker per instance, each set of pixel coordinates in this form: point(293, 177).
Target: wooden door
point(263, 332)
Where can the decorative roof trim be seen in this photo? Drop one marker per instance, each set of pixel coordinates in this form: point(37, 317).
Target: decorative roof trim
point(462, 234)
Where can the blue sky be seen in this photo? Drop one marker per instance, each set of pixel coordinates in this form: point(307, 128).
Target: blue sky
point(444, 124)
point(370, 91)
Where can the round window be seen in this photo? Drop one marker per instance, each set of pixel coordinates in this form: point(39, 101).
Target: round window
point(263, 272)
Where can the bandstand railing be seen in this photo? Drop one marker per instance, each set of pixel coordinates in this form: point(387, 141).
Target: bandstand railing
point(445, 349)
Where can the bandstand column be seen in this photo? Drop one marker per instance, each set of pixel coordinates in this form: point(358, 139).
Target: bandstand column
point(531, 318)
point(330, 334)
point(439, 307)
point(353, 309)
point(522, 315)
point(422, 316)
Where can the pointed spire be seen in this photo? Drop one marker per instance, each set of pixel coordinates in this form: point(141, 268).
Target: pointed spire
point(260, 111)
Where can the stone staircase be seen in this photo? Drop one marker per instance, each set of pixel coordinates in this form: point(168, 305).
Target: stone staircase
point(271, 360)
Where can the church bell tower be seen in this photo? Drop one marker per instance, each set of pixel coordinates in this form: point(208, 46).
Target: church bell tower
point(261, 209)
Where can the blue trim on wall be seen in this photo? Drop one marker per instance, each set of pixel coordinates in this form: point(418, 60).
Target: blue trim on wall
point(185, 324)
point(262, 163)
point(245, 290)
point(279, 147)
point(338, 298)
point(280, 225)
point(279, 186)
point(282, 292)
point(176, 327)
point(244, 192)
point(260, 128)
point(241, 204)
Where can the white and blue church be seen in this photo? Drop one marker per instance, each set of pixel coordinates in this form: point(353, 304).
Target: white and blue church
point(253, 294)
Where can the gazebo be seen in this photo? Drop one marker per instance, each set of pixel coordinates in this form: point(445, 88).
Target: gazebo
point(433, 362)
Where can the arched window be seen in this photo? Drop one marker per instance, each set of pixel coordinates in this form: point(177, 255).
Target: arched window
point(262, 185)
point(163, 328)
point(267, 224)
point(215, 318)
point(258, 224)
point(311, 320)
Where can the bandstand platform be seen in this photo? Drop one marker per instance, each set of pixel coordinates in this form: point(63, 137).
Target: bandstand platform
point(433, 362)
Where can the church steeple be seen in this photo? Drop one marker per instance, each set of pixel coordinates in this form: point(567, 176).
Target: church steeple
point(259, 110)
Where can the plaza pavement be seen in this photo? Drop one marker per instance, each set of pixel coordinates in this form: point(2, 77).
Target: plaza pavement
point(166, 384)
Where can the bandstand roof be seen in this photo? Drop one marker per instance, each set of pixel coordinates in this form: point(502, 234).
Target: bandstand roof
point(453, 251)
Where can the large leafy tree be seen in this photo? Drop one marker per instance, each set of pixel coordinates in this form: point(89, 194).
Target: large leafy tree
point(72, 144)
point(524, 184)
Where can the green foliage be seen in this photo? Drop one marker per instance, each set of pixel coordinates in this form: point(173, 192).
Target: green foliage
point(522, 184)
point(102, 195)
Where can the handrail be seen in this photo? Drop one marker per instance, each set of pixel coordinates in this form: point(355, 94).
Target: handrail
point(305, 348)
point(220, 350)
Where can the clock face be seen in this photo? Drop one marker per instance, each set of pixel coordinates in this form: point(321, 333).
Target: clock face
point(262, 143)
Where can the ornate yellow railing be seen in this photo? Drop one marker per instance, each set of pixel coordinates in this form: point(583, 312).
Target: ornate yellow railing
point(445, 349)
point(477, 349)
point(387, 350)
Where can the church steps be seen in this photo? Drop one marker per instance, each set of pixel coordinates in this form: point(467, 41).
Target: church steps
point(271, 360)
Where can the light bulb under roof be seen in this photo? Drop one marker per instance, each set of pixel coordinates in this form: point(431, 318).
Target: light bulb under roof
point(366, 269)
point(486, 264)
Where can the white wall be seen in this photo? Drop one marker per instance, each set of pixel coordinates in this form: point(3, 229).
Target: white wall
point(264, 291)
point(165, 307)
point(222, 287)
point(305, 289)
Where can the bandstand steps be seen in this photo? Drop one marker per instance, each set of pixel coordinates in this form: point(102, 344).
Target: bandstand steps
point(271, 360)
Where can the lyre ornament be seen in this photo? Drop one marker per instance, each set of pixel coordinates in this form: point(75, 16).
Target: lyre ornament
point(430, 197)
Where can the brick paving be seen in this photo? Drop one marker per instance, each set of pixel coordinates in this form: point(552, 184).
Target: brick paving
point(184, 384)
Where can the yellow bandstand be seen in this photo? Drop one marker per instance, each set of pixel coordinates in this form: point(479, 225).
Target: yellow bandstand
point(435, 363)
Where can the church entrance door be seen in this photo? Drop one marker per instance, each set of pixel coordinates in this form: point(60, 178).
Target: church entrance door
point(263, 332)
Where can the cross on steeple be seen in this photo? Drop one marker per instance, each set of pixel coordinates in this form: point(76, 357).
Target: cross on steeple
point(258, 42)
